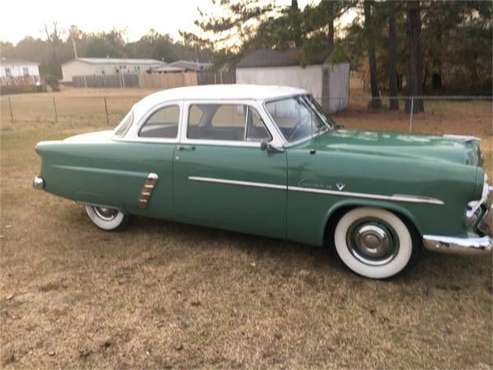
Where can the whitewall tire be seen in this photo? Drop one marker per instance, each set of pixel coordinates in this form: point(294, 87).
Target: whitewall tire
point(373, 242)
point(108, 219)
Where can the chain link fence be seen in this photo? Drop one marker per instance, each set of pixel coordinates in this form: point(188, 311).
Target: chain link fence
point(466, 115)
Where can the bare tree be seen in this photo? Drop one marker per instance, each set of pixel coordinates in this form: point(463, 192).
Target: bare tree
point(54, 40)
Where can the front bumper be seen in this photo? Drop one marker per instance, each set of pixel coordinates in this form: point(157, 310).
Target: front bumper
point(481, 241)
point(470, 246)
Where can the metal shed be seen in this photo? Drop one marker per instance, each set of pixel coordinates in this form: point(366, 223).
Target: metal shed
point(325, 75)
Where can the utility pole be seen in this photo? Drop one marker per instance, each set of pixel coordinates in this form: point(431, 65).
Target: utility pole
point(74, 46)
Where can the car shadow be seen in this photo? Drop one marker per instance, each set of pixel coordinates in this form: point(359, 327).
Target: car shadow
point(325, 259)
point(431, 268)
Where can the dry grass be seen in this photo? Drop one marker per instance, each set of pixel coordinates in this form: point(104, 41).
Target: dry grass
point(165, 295)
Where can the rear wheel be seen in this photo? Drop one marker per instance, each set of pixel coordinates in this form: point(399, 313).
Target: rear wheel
point(373, 242)
point(108, 219)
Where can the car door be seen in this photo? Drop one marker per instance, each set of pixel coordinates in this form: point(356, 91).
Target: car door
point(222, 177)
point(146, 151)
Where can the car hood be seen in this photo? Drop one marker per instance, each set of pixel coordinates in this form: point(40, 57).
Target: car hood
point(458, 149)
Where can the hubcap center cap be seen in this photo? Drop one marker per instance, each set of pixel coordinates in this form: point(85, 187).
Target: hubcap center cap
point(372, 241)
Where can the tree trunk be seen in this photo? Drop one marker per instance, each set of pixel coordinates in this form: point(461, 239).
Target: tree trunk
point(393, 79)
point(415, 63)
point(331, 17)
point(436, 74)
point(295, 27)
point(425, 79)
point(376, 102)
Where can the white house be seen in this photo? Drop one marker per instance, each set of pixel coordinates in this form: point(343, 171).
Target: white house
point(106, 66)
point(19, 72)
point(325, 76)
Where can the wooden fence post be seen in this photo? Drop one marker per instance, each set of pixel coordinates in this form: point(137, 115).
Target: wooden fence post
point(54, 110)
point(106, 111)
point(11, 111)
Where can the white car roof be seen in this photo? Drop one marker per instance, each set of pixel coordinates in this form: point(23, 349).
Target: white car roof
point(216, 92)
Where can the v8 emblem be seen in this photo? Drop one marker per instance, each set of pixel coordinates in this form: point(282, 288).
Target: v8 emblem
point(340, 186)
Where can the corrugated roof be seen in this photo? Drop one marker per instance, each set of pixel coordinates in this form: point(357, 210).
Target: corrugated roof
point(118, 61)
point(280, 58)
point(168, 68)
point(11, 61)
point(190, 65)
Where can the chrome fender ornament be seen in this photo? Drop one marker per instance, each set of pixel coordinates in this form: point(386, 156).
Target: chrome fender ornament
point(340, 186)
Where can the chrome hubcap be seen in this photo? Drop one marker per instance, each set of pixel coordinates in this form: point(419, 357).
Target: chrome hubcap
point(105, 213)
point(372, 242)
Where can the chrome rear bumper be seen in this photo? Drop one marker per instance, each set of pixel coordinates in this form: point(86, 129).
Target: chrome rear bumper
point(445, 244)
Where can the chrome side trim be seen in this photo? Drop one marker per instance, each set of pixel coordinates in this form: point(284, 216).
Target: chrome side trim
point(395, 197)
point(147, 189)
point(240, 183)
point(445, 244)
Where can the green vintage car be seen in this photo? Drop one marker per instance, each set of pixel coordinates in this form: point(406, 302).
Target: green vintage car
point(265, 160)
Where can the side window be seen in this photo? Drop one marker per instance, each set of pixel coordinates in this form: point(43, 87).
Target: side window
point(122, 129)
point(162, 124)
point(227, 122)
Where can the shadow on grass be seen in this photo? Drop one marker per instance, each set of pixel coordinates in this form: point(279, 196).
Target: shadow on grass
point(280, 255)
point(291, 256)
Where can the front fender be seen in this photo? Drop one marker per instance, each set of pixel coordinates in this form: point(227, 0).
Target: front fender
point(399, 210)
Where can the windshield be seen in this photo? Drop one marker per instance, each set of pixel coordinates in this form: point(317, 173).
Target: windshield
point(298, 117)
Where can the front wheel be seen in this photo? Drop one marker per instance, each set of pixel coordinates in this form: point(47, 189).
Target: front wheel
point(108, 219)
point(373, 242)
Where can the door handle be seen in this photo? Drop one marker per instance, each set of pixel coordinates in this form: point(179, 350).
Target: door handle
point(186, 147)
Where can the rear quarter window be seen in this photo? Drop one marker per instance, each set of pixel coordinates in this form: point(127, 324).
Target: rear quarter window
point(125, 125)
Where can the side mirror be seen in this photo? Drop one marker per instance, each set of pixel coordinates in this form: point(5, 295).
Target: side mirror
point(264, 145)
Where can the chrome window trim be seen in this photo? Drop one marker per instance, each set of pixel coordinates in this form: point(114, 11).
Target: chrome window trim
point(275, 140)
point(395, 198)
point(233, 143)
point(149, 140)
point(132, 135)
point(155, 111)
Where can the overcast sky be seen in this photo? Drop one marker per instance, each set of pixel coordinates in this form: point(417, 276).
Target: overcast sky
point(27, 17)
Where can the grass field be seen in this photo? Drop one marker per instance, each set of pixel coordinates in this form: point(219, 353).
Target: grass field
point(166, 295)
